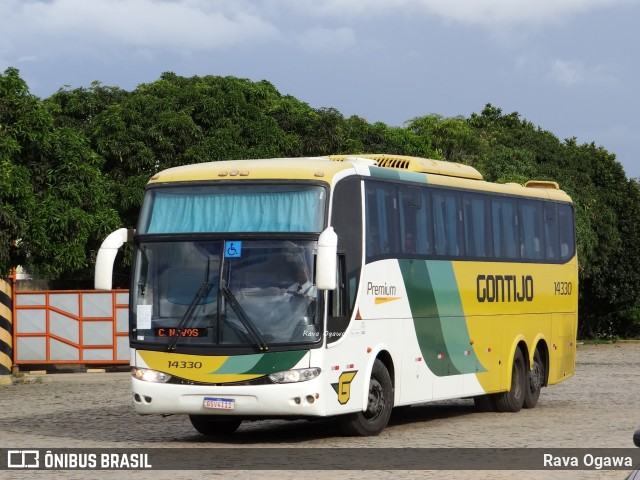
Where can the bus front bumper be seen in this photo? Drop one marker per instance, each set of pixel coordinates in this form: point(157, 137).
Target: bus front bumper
point(301, 399)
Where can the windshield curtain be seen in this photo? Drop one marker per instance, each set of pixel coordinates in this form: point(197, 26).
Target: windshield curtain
point(233, 208)
point(247, 293)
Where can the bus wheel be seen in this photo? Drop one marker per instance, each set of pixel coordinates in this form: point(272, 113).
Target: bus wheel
point(211, 425)
point(535, 381)
point(375, 418)
point(513, 400)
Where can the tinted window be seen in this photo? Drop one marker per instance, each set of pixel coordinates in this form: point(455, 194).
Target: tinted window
point(430, 222)
point(476, 225)
point(383, 226)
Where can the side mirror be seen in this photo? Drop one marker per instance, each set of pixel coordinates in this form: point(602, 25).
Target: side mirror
point(103, 279)
point(326, 260)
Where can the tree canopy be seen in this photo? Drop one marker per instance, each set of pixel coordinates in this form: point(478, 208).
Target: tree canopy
point(73, 168)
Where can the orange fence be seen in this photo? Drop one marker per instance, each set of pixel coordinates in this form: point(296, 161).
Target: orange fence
point(71, 327)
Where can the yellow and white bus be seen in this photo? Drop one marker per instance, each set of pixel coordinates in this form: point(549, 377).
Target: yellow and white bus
point(344, 286)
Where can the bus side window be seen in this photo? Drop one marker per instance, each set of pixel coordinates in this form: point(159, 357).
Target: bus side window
point(439, 222)
point(410, 231)
point(531, 229)
point(448, 227)
point(551, 239)
point(476, 226)
point(566, 229)
point(382, 220)
point(373, 239)
point(506, 239)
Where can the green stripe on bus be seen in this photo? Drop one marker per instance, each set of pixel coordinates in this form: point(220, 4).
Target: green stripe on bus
point(438, 317)
point(388, 173)
point(238, 364)
point(260, 363)
point(278, 361)
point(413, 176)
point(398, 174)
point(454, 324)
point(426, 318)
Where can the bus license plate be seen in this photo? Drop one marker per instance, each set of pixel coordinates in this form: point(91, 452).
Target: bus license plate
point(219, 403)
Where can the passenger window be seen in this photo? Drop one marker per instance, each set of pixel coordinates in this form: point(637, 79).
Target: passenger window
point(382, 220)
point(447, 224)
point(531, 229)
point(476, 221)
point(565, 227)
point(506, 238)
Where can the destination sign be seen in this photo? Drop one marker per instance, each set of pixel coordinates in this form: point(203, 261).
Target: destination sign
point(182, 332)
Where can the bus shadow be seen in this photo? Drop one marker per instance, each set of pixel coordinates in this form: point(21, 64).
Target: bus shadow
point(117, 425)
point(273, 432)
point(428, 412)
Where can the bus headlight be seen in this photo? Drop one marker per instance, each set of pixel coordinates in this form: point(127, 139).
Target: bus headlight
point(150, 375)
point(293, 376)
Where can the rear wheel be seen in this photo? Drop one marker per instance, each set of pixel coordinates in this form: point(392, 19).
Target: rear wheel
point(513, 400)
point(211, 425)
point(535, 381)
point(379, 405)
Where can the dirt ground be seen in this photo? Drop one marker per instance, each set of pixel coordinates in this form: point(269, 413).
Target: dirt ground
point(597, 408)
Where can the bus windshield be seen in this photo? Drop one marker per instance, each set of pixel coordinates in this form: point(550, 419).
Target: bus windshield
point(208, 293)
point(255, 207)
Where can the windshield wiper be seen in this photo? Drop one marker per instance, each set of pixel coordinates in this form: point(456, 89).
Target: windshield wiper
point(246, 321)
point(202, 293)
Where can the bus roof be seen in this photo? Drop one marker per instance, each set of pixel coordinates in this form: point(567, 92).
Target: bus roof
point(416, 164)
point(422, 170)
point(301, 168)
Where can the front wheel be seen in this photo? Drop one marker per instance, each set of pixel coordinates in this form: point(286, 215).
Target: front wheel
point(380, 403)
point(211, 425)
point(513, 400)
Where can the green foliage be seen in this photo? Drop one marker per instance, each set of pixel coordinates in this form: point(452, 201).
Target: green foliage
point(454, 139)
point(73, 168)
point(23, 133)
point(73, 212)
point(55, 203)
point(363, 137)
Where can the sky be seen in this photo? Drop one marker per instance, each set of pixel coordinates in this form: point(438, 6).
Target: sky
point(568, 66)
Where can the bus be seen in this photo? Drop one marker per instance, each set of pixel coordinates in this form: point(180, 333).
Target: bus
point(344, 286)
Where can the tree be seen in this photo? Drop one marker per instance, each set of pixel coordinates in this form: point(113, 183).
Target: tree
point(56, 206)
point(23, 133)
point(454, 139)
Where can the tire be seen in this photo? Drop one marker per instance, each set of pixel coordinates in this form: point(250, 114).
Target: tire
point(380, 403)
point(513, 400)
point(535, 381)
point(212, 425)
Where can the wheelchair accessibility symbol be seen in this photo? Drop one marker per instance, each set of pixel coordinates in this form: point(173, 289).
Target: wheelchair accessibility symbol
point(233, 249)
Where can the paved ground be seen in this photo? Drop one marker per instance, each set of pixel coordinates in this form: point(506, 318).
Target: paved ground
point(597, 408)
